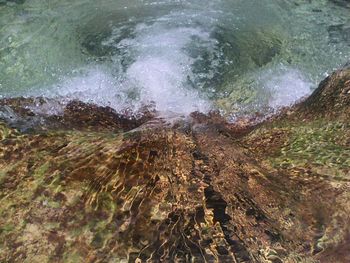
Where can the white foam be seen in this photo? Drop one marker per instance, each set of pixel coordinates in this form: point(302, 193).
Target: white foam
point(93, 85)
point(153, 66)
point(162, 82)
point(158, 74)
point(285, 86)
point(162, 67)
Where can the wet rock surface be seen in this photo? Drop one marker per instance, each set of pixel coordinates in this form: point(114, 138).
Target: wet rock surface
point(88, 185)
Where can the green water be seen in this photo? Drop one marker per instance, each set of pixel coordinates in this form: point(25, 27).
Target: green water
point(178, 56)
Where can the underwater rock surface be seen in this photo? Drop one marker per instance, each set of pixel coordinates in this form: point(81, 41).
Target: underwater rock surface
point(89, 185)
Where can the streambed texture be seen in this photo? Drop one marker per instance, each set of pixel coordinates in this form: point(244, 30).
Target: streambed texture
point(92, 186)
point(146, 131)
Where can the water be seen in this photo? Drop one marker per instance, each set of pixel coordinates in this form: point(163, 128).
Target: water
point(176, 56)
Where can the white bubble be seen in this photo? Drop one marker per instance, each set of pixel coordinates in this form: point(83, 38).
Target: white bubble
point(285, 86)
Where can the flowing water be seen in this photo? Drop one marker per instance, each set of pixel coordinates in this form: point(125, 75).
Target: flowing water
point(237, 56)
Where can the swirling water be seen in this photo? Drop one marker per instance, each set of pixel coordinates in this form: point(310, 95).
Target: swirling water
point(175, 55)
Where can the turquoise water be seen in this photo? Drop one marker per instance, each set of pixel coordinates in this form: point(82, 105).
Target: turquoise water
point(178, 56)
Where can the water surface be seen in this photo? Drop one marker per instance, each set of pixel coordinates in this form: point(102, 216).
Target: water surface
point(177, 56)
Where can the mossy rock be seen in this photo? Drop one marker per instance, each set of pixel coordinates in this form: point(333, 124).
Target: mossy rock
point(91, 186)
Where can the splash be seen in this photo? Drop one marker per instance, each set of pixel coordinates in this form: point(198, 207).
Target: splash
point(285, 86)
point(174, 56)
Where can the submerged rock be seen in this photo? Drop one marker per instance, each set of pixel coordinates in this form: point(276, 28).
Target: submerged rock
point(343, 3)
point(88, 185)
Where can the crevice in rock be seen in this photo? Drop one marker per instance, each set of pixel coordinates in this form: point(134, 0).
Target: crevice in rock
point(216, 202)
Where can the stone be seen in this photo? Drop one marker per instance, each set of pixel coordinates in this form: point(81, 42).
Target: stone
point(88, 185)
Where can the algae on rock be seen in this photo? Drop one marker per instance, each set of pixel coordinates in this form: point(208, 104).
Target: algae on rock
point(92, 186)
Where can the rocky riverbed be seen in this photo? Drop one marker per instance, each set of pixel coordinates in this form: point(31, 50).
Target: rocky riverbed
point(90, 185)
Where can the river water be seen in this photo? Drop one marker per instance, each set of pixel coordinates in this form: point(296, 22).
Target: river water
point(237, 56)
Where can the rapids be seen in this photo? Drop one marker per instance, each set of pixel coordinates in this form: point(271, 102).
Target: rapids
point(174, 56)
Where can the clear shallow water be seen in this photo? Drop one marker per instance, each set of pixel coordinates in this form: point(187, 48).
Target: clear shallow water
point(179, 56)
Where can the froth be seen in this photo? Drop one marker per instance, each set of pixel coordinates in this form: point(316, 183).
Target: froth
point(285, 86)
point(163, 69)
point(159, 72)
point(155, 65)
